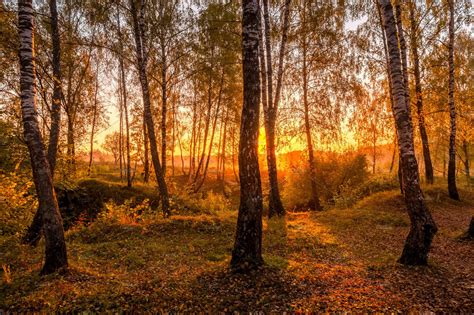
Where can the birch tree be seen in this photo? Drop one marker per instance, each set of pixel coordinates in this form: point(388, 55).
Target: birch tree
point(55, 245)
point(423, 227)
point(270, 102)
point(452, 189)
point(138, 20)
point(247, 252)
point(419, 93)
point(33, 233)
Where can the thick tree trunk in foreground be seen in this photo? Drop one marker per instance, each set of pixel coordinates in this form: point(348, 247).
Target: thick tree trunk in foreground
point(419, 96)
point(423, 228)
point(247, 252)
point(55, 251)
point(452, 189)
point(387, 62)
point(270, 106)
point(139, 29)
point(404, 62)
point(33, 233)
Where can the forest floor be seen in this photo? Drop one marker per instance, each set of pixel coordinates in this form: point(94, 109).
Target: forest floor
point(335, 260)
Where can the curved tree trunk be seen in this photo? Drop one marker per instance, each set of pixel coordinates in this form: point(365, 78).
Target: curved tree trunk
point(55, 245)
point(247, 252)
point(404, 62)
point(33, 233)
point(139, 29)
point(423, 228)
point(452, 189)
point(419, 96)
point(387, 61)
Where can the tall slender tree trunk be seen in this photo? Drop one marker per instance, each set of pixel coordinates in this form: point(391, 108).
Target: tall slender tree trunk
point(270, 106)
point(247, 252)
point(223, 158)
point(236, 175)
point(404, 61)
point(121, 161)
point(314, 203)
point(164, 106)
point(392, 162)
point(71, 147)
point(55, 245)
point(173, 137)
point(146, 166)
point(466, 162)
point(124, 102)
point(211, 142)
point(208, 122)
point(403, 54)
point(57, 91)
point(33, 233)
point(94, 119)
point(419, 96)
point(192, 142)
point(181, 153)
point(374, 148)
point(387, 62)
point(452, 189)
point(142, 59)
point(219, 145)
point(423, 228)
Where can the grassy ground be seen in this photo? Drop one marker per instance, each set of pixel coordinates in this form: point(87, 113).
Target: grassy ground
point(336, 260)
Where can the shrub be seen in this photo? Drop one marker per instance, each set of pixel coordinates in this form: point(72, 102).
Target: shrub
point(18, 203)
point(127, 213)
point(336, 174)
point(208, 203)
point(349, 195)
